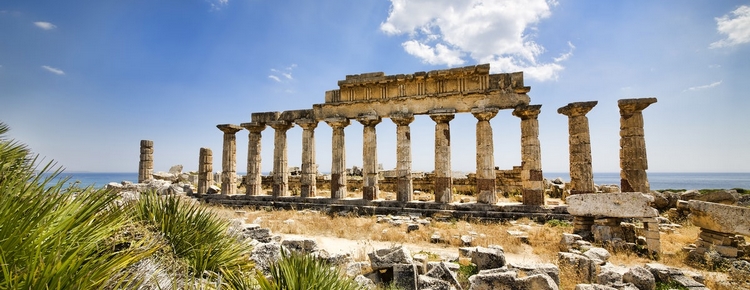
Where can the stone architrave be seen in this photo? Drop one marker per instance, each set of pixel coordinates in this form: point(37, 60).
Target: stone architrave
point(633, 161)
point(369, 156)
point(443, 172)
point(205, 170)
point(531, 156)
point(338, 162)
point(404, 187)
point(581, 172)
point(616, 205)
point(280, 161)
point(485, 155)
point(229, 158)
point(146, 163)
point(253, 180)
point(720, 217)
point(309, 167)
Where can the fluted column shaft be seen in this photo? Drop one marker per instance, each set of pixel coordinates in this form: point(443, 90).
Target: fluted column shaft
point(531, 156)
point(404, 185)
point(485, 155)
point(229, 158)
point(633, 159)
point(581, 172)
point(369, 157)
point(146, 163)
point(280, 161)
point(308, 186)
point(338, 162)
point(443, 172)
point(205, 170)
point(253, 180)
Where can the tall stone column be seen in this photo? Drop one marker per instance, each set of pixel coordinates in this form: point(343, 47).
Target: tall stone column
point(581, 173)
point(369, 156)
point(404, 187)
point(205, 170)
point(253, 180)
point(485, 155)
point(338, 164)
point(229, 159)
point(146, 163)
point(309, 167)
point(531, 155)
point(443, 172)
point(633, 161)
point(280, 161)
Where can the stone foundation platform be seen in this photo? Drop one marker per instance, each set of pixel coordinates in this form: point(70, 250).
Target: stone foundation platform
point(473, 211)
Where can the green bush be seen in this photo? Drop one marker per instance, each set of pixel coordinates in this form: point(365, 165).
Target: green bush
point(56, 237)
point(194, 233)
point(298, 271)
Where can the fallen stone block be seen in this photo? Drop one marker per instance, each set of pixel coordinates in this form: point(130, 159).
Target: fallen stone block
point(488, 258)
point(387, 258)
point(640, 277)
point(622, 205)
point(720, 217)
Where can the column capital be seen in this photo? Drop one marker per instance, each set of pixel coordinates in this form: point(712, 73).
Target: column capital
point(577, 108)
point(281, 125)
point(229, 128)
point(369, 120)
point(337, 122)
point(402, 119)
point(632, 106)
point(307, 124)
point(254, 127)
point(484, 114)
point(527, 112)
point(442, 118)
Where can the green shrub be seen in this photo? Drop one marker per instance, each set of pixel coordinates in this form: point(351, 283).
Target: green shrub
point(558, 223)
point(56, 237)
point(194, 233)
point(298, 271)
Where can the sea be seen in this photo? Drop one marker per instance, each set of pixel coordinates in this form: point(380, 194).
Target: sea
point(657, 180)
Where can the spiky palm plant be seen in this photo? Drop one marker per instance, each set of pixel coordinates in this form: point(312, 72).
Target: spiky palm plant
point(57, 237)
point(299, 271)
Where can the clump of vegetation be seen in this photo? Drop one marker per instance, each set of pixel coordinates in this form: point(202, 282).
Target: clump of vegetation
point(558, 223)
point(299, 271)
point(464, 272)
point(57, 237)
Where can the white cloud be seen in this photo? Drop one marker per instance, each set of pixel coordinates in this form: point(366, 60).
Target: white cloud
point(275, 78)
point(280, 75)
point(45, 25)
point(704, 86)
point(53, 70)
point(736, 27)
point(218, 4)
point(443, 32)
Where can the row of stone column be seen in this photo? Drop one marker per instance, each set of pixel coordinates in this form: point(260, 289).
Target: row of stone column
point(633, 161)
point(486, 176)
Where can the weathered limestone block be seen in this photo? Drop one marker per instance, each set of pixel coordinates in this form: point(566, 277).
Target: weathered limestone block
point(338, 163)
point(720, 217)
point(548, 269)
point(633, 160)
point(640, 277)
point(443, 172)
point(387, 258)
point(229, 158)
point(583, 267)
point(531, 156)
point(404, 187)
point(581, 172)
point(621, 205)
point(146, 163)
point(488, 258)
point(442, 271)
point(405, 276)
point(280, 157)
point(309, 173)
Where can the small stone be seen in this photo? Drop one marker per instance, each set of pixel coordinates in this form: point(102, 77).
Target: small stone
point(466, 240)
point(435, 238)
point(412, 227)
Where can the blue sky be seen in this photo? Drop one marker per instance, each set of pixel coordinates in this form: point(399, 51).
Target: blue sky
point(82, 82)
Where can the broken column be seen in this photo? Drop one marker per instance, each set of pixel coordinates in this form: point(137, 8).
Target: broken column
point(722, 228)
point(443, 172)
point(531, 156)
point(309, 168)
point(280, 161)
point(229, 159)
point(633, 161)
point(253, 180)
point(146, 164)
point(205, 170)
point(581, 173)
point(338, 162)
point(404, 190)
point(369, 156)
point(485, 155)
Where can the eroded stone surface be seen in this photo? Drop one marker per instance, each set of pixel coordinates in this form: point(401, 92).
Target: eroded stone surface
point(622, 205)
point(720, 217)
